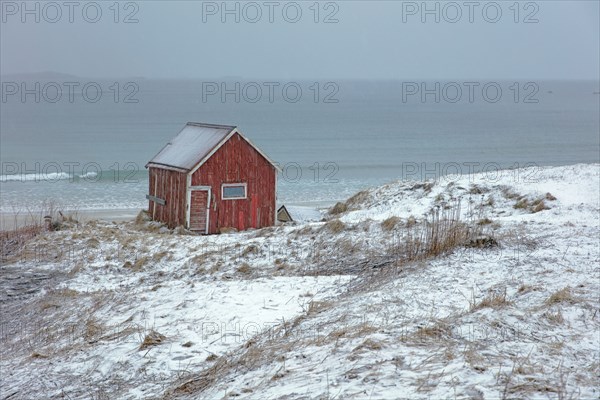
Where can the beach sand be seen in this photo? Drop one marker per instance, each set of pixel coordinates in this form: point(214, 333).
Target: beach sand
point(9, 221)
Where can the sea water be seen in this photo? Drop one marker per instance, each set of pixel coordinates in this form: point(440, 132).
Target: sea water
point(334, 139)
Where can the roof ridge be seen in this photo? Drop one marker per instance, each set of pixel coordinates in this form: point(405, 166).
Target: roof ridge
point(207, 125)
point(196, 143)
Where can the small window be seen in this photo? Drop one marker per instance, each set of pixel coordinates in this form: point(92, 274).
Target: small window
point(233, 191)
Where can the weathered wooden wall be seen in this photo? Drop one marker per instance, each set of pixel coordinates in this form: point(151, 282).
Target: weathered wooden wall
point(199, 200)
point(238, 162)
point(169, 186)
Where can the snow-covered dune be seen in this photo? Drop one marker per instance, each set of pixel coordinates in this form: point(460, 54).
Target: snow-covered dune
point(321, 309)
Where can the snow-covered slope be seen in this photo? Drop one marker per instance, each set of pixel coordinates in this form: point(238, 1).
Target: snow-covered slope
point(320, 310)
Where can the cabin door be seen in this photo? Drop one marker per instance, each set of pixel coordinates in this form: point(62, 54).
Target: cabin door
point(199, 203)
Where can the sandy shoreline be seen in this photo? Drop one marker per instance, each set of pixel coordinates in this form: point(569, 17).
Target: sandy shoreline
point(10, 221)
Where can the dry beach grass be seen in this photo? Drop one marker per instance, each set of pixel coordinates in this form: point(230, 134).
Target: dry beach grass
point(406, 293)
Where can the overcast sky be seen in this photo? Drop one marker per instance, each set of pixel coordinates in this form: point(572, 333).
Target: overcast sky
point(370, 40)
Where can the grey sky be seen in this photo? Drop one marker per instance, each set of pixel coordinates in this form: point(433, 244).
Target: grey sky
point(370, 41)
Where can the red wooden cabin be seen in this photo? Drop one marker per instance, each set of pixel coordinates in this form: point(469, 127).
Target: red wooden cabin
point(211, 177)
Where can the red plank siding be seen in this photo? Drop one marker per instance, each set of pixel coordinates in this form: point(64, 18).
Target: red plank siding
point(169, 186)
point(238, 162)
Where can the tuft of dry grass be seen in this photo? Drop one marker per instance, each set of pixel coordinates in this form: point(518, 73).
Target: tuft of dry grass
point(533, 207)
point(280, 264)
point(93, 243)
point(250, 249)
point(334, 226)
point(369, 344)
point(139, 264)
point(265, 232)
point(157, 257)
point(93, 330)
point(315, 307)
point(180, 230)
point(348, 332)
point(523, 289)
point(13, 241)
point(549, 197)
point(482, 242)
point(441, 232)
point(484, 221)
point(202, 258)
point(65, 293)
point(564, 295)
point(538, 205)
point(426, 186)
point(476, 189)
point(509, 194)
point(152, 226)
point(352, 203)
point(411, 221)
point(434, 332)
point(142, 218)
point(243, 268)
point(305, 230)
point(357, 200)
point(213, 269)
point(152, 338)
point(338, 208)
point(347, 247)
point(336, 334)
point(493, 300)
point(521, 204)
point(472, 356)
point(390, 223)
point(556, 317)
point(490, 201)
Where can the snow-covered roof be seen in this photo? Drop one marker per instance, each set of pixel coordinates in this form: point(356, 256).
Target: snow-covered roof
point(195, 144)
point(190, 146)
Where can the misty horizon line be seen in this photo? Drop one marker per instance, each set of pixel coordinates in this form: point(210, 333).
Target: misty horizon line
point(65, 75)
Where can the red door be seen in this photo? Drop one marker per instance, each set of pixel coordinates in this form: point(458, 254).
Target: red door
point(199, 210)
